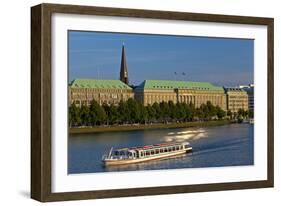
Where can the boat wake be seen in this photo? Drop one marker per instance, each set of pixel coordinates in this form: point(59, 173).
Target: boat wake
point(185, 135)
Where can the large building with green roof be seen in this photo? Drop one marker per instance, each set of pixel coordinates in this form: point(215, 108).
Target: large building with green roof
point(83, 91)
point(197, 93)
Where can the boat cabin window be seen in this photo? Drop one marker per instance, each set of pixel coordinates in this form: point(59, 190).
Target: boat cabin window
point(161, 150)
point(170, 149)
point(122, 153)
point(147, 153)
point(116, 153)
point(174, 148)
point(132, 154)
point(186, 146)
point(152, 152)
point(157, 151)
point(166, 149)
point(177, 148)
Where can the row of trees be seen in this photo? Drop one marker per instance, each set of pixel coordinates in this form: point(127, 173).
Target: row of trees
point(240, 114)
point(131, 112)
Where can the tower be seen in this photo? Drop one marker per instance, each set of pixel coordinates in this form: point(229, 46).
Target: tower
point(123, 67)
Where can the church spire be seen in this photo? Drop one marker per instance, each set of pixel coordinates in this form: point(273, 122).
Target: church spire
point(123, 67)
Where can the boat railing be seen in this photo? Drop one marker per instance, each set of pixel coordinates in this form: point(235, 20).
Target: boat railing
point(106, 156)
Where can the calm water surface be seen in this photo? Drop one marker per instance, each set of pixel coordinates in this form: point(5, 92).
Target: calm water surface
point(228, 145)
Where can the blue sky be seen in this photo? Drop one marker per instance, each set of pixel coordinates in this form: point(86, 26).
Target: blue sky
point(222, 61)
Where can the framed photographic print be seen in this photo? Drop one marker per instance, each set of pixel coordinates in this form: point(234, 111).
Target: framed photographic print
point(130, 102)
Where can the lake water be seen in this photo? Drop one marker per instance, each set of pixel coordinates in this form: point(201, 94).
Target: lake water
point(228, 145)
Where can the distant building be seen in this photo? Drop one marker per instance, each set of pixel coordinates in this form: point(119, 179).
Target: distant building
point(83, 91)
point(236, 99)
point(197, 93)
point(250, 91)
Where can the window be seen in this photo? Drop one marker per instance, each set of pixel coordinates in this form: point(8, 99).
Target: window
point(166, 150)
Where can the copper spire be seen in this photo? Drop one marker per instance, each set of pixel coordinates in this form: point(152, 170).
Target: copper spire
point(123, 67)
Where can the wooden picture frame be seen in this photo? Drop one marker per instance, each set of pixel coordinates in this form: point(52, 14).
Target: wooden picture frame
point(41, 173)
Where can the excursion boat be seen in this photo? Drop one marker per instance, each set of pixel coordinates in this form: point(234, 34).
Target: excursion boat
point(145, 153)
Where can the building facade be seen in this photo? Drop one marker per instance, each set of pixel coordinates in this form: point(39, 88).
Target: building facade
point(250, 91)
point(197, 93)
point(84, 91)
point(236, 99)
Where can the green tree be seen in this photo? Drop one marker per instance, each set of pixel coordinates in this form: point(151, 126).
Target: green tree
point(204, 111)
point(85, 115)
point(220, 112)
point(134, 110)
point(74, 115)
point(123, 112)
point(151, 113)
point(165, 112)
point(242, 113)
point(111, 113)
point(97, 113)
point(180, 111)
point(172, 110)
point(230, 114)
point(199, 113)
point(251, 113)
point(143, 113)
point(246, 113)
point(211, 110)
point(157, 110)
point(192, 110)
point(235, 115)
point(187, 111)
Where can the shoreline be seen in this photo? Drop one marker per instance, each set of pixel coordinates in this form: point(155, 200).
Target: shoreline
point(120, 128)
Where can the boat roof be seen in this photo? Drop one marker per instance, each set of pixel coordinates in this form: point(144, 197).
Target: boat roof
point(154, 146)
